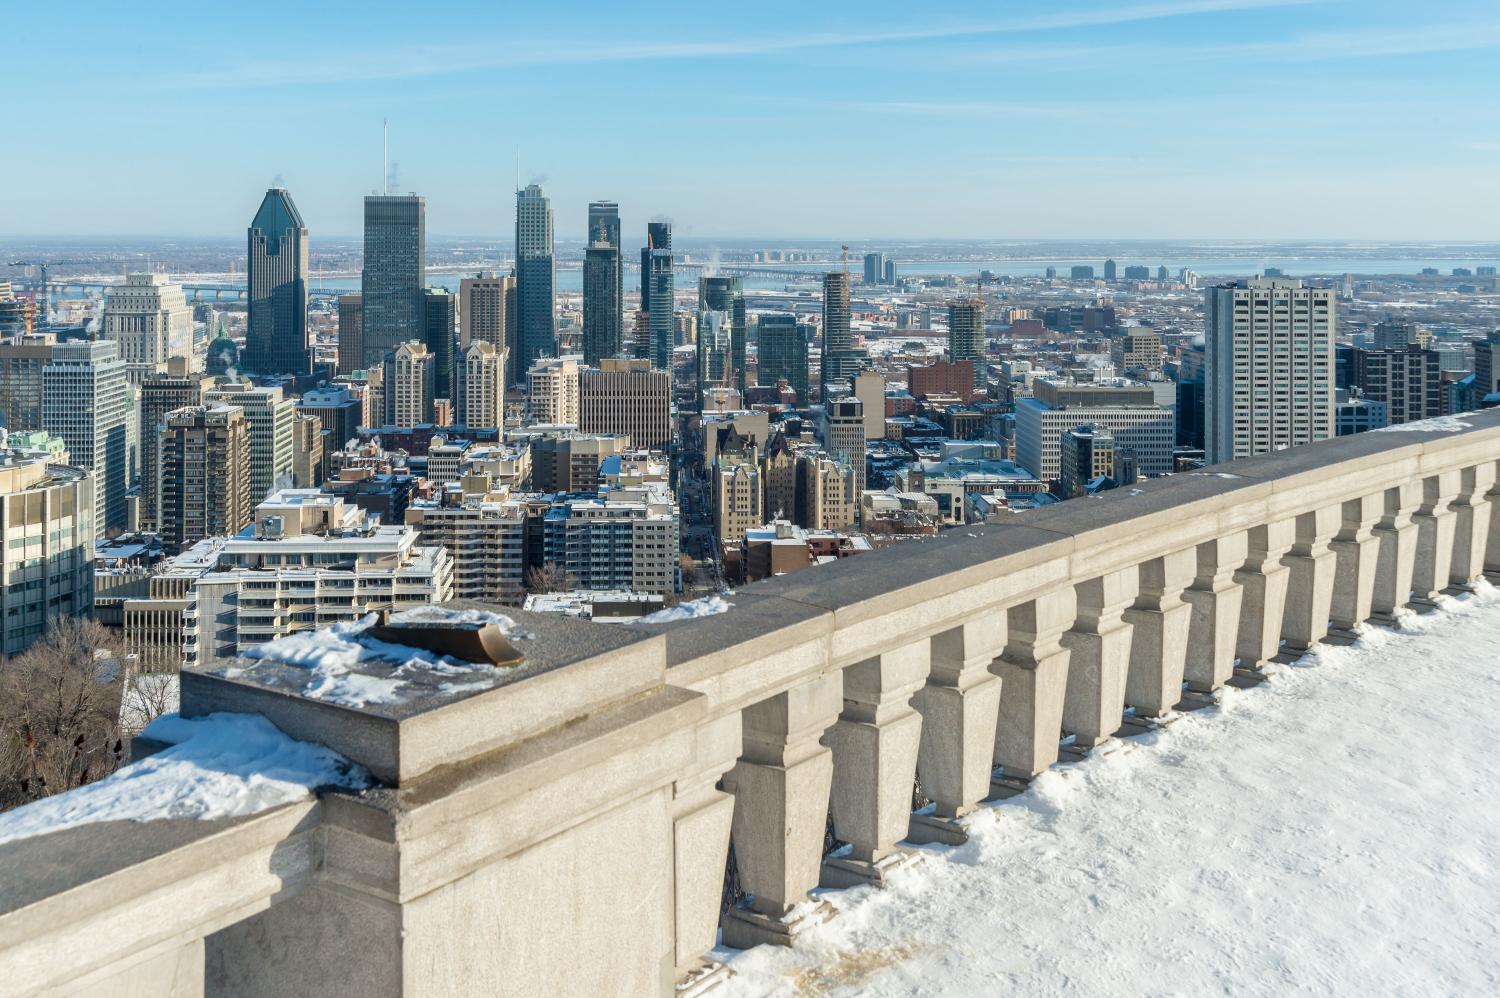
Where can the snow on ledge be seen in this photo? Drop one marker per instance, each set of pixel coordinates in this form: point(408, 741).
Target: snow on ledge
point(705, 607)
point(1437, 424)
point(218, 766)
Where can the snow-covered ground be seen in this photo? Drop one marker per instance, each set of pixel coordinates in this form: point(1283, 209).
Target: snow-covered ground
point(1335, 831)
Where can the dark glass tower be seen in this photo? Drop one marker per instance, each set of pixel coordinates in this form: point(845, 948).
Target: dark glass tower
point(657, 296)
point(438, 314)
point(966, 335)
point(603, 284)
point(394, 274)
point(782, 345)
point(840, 361)
point(722, 295)
point(276, 333)
point(536, 276)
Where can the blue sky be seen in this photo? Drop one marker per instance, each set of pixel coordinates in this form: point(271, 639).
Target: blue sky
point(1248, 119)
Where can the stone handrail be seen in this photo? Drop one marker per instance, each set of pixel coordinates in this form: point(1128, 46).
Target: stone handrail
point(568, 831)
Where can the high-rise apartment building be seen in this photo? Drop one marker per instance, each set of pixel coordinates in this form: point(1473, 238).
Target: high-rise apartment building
point(869, 388)
point(1110, 270)
point(536, 276)
point(159, 395)
point(340, 415)
point(1406, 380)
point(1486, 365)
point(843, 432)
point(603, 284)
point(205, 474)
point(1393, 335)
point(874, 268)
point(270, 417)
point(351, 334)
point(657, 297)
point(1138, 349)
point(626, 396)
point(552, 391)
point(721, 357)
point(481, 386)
point(1127, 410)
point(408, 385)
point(782, 344)
point(966, 335)
point(840, 360)
point(47, 540)
point(21, 364)
point(616, 543)
point(150, 320)
point(86, 402)
point(1269, 366)
point(485, 541)
point(394, 274)
point(276, 327)
point(438, 316)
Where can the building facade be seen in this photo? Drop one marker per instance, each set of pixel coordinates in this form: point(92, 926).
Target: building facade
point(276, 327)
point(148, 317)
point(627, 397)
point(270, 417)
point(481, 386)
point(395, 272)
point(47, 534)
point(86, 402)
point(205, 474)
point(782, 353)
point(159, 395)
point(658, 292)
point(409, 385)
point(603, 285)
point(536, 277)
point(966, 335)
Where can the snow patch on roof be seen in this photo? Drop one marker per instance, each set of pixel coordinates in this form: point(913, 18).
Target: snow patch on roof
point(705, 607)
point(1437, 424)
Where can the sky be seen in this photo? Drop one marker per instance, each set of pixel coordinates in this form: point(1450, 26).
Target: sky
point(1028, 119)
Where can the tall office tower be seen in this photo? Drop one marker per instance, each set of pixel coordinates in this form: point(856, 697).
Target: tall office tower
point(438, 315)
point(150, 319)
point(408, 385)
point(536, 276)
point(276, 329)
point(725, 295)
point(86, 401)
point(874, 268)
point(1127, 410)
point(782, 353)
point(270, 417)
point(844, 437)
point(840, 360)
point(1087, 452)
point(657, 296)
point(205, 474)
point(552, 391)
point(625, 396)
point(394, 275)
point(351, 334)
point(889, 277)
point(1393, 335)
point(159, 395)
point(603, 284)
point(47, 539)
point(966, 335)
point(487, 312)
point(481, 386)
point(307, 450)
point(1110, 270)
point(1269, 358)
point(869, 388)
point(1408, 380)
point(21, 364)
point(1486, 365)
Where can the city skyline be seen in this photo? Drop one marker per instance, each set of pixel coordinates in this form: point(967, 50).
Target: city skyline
point(970, 124)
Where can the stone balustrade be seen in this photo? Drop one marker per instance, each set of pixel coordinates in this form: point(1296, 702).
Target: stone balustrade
point(568, 832)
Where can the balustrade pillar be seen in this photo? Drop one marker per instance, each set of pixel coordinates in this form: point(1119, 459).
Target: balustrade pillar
point(1310, 569)
point(1215, 597)
point(1161, 619)
point(1471, 530)
point(875, 744)
point(1034, 671)
point(1356, 551)
point(1099, 643)
point(960, 707)
point(781, 785)
point(1436, 526)
point(1265, 580)
point(1397, 559)
point(702, 816)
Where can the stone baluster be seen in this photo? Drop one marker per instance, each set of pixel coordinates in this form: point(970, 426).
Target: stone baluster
point(875, 745)
point(1161, 619)
point(1265, 581)
point(1492, 539)
point(1034, 670)
point(960, 706)
point(781, 787)
point(702, 815)
point(1356, 552)
point(1397, 535)
point(1471, 531)
point(1310, 569)
point(1099, 643)
point(1436, 525)
point(1215, 597)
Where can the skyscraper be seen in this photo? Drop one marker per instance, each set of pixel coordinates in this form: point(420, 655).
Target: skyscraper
point(840, 360)
point(408, 385)
point(782, 353)
point(351, 334)
point(1111, 270)
point(481, 386)
point(150, 320)
point(721, 349)
point(487, 314)
point(86, 402)
point(205, 474)
point(966, 335)
point(1269, 359)
point(603, 284)
point(625, 396)
point(437, 319)
point(276, 329)
point(874, 268)
point(159, 395)
point(657, 293)
point(394, 274)
point(536, 323)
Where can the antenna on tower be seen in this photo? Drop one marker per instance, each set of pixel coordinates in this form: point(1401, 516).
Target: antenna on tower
point(518, 170)
point(385, 164)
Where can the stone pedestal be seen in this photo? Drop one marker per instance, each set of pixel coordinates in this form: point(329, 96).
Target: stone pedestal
point(1396, 559)
point(1355, 552)
point(1436, 525)
point(960, 707)
point(781, 787)
point(1099, 646)
point(1034, 670)
point(1158, 648)
point(1264, 579)
point(1310, 568)
point(1471, 531)
point(875, 745)
point(1215, 598)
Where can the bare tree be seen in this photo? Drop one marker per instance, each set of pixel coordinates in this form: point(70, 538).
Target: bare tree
point(59, 712)
point(549, 578)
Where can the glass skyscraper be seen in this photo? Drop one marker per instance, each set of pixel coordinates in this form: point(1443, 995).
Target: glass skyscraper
point(276, 330)
point(394, 274)
point(782, 352)
point(840, 360)
point(721, 358)
point(536, 275)
point(966, 335)
point(603, 284)
point(438, 314)
point(657, 291)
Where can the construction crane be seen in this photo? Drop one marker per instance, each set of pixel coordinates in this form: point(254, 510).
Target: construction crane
point(42, 265)
point(846, 260)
